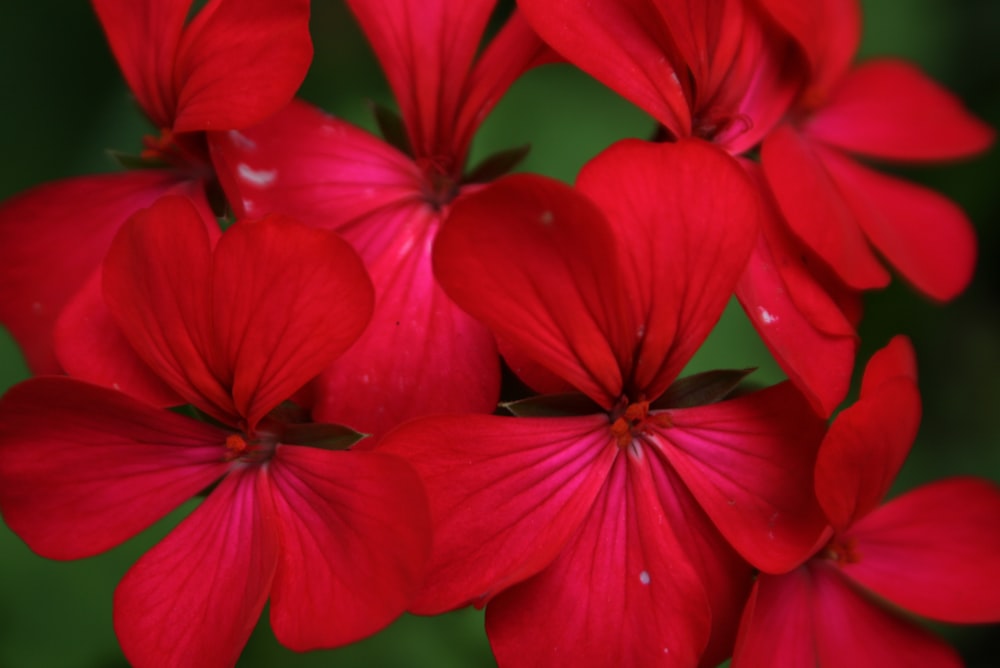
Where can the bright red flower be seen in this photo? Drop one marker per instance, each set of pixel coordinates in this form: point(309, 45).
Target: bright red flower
point(934, 551)
point(336, 539)
point(421, 354)
point(235, 63)
point(602, 537)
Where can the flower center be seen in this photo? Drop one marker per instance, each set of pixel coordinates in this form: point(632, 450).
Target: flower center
point(841, 550)
point(251, 450)
point(630, 421)
point(440, 183)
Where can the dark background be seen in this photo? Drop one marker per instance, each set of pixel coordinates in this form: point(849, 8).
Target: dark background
point(62, 103)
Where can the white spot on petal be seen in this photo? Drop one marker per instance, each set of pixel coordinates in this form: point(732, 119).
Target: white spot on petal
point(240, 140)
point(546, 218)
point(666, 650)
point(36, 308)
point(256, 177)
point(644, 578)
point(675, 78)
point(766, 316)
point(248, 206)
point(116, 386)
point(365, 378)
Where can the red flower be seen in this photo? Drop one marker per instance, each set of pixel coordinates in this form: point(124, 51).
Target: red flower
point(336, 539)
point(421, 354)
point(934, 551)
point(602, 537)
point(235, 63)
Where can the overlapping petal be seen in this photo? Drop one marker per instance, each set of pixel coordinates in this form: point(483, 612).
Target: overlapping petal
point(238, 62)
point(934, 551)
point(890, 109)
point(624, 45)
point(85, 468)
point(66, 225)
point(505, 496)
point(421, 354)
point(869, 441)
point(815, 206)
point(426, 49)
point(355, 540)
point(194, 599)
point(923, 235)
point(748, 462)
point(538, 264)
point(686, 218)
point(626, 595)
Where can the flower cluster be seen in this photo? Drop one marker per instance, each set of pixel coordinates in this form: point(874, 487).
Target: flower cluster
point(309, 327)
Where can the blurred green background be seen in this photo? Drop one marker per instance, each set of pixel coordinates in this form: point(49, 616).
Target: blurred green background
point(63, 103)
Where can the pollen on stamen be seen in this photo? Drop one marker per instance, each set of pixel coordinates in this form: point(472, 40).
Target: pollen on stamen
point(236, 447)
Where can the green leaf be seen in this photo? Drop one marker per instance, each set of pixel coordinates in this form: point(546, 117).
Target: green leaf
point(553, 405)
point(392, 128)
point(701, 389)
point(326, 436)
point(498, 164)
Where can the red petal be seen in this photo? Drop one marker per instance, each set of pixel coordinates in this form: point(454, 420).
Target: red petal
point(505, 496)
point(620, 594)
point(194, 598)
point(93, 348)
point(276, 284)
point(796, 317)
point(813, 617)
point(934, 551)
point(426, 48)
point(418, 339)
point(537, 264)
point(890, 109)
point(624, 45)
point(925, 236)
point(816, 208)
point(83, 468)
point(749, 462)
point(144, 38)
point(869, 441)
point(683, 245)
point(318, 169)
point(156, 279)
point(239, 61)
point(355, 539)
point(514, 50)
point(66, 224)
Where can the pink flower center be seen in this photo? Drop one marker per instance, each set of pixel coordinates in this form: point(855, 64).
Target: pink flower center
point(631, 420)
point(440, 183)
point(841, 550)
point(251, 450)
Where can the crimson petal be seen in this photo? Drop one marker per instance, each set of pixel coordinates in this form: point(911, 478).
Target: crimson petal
point(683, 245)
point(934, 551)
point(84, 468)
point(620, 593)
point(194, 599)
point(505, 496)
point(238, 62)
point(537, 263)
point(749, 462)
point(355, 539)
point(890, 109)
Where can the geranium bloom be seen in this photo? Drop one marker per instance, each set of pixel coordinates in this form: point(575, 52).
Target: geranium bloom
point(740, 72)
point(421, 354)
point(934, 551)
point(336, 539)
point(601, 537)
point(232, 65)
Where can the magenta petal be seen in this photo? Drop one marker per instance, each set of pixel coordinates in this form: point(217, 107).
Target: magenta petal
point(778, 625)
point(686, 217)
point(420, 354)
point(934, 551)
point(924, 235)
point(890, 109)
point(66, 224)
point(749, 462)
point(817, 210)
point(83, 468)
point(505, 495)
point(620, 594)
point(194, 598)
point(355, 540)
